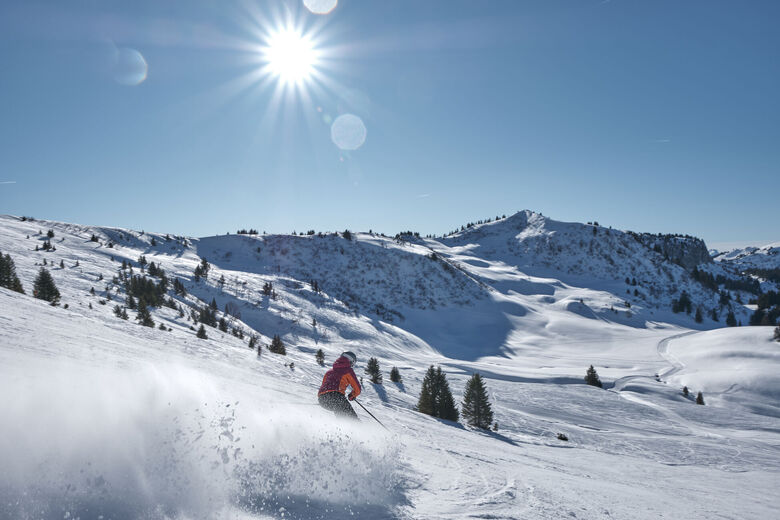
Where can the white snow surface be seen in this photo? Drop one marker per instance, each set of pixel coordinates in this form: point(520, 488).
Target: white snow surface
point(104, 418)
point(765, 257)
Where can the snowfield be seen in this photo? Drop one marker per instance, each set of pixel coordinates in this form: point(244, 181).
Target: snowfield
point(104, 418)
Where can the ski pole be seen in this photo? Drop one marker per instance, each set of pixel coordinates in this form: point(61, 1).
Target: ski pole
point(372, 415)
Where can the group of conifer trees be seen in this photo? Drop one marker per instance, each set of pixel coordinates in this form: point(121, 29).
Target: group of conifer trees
point(436, 400)
point(436, 397)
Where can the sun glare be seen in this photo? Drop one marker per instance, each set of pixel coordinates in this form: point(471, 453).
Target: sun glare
point(291, 56)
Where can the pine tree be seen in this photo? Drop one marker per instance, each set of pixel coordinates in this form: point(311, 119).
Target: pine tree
point(425, 403)
point(124, 315)
point(476, 406)
point(202, 269)
point(178, 287)
point(144, 317)
point(592, 378)
point(445, 403)
point(202, 332)
point(435, 396)
point(698, 318)
point(213, 304)
point(252, 341)
point(731, 320)
point(117, 311)
point(685, 391)
point(223, 326)
point(372, 369)
point(8, 277)
point(277, 346)
point(699, 398)
point(44, 287)
point(395, 375)
point(320, 357)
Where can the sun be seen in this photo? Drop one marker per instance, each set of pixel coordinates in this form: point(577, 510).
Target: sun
point(290, 55)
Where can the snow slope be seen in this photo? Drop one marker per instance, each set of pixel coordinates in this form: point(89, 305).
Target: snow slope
point(766, 257)
point(101, 416)
point(740, 366)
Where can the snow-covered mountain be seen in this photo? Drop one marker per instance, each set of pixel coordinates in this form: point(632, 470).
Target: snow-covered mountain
point(766, 257)
point(111, 418)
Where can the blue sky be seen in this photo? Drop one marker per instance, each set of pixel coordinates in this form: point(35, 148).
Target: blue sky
point(653, 116)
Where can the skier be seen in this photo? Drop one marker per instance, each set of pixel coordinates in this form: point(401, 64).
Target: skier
point(334, 386)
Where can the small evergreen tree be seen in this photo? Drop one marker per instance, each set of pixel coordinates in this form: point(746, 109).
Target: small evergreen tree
point(435, 396)
point(320, 357)
point(144, 317)
point(44, 287)
point(8, 277)
point(685, 391)
point(372, 370)
point(699, 398)
point(223, 326)
point(698, 318)
point(202, 332)
point(592, 378)
point(117, 311)
point(395, 375)
point(731, 320)
point(124, 315)
point(476, 406)
point(252, 341)
point(425, 403)
point(277, 346)
point(446, 403)
point(202, 269)
point(178, 287)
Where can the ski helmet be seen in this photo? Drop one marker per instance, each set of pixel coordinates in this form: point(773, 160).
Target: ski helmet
point(351, 356)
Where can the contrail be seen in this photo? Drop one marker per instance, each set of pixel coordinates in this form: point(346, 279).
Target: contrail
point(7, 182)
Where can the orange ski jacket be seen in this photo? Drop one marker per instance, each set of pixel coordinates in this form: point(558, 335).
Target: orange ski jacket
point(338, 378)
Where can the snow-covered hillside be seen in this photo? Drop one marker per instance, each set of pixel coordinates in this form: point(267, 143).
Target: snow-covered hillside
point(102, 417)
point(766, 257)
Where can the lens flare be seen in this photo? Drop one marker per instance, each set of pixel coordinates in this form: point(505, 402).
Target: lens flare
point(348, 132)
point(320, 6)
point(129, 67)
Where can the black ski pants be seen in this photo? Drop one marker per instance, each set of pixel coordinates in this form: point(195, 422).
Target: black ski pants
point(337, 403)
